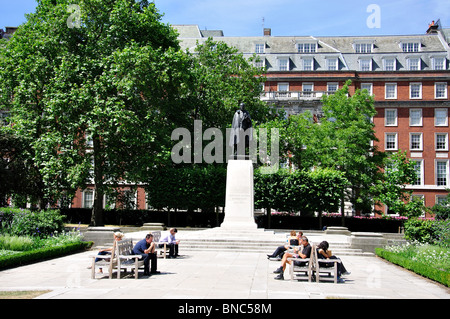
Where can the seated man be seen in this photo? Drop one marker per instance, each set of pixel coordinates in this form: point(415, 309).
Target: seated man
point(306, 253)
point(146, 248)
point(172, 243)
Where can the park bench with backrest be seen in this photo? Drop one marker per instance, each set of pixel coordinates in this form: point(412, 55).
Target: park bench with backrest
point(126, 259)
point(156, 240)
point(303, 265)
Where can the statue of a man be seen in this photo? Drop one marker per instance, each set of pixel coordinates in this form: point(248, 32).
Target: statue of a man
point(241, 129)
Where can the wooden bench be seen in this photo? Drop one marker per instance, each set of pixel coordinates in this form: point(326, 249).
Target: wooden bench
point(105, 261)
point(156, 240)
point(126, 259)
point(306, 266)
point(325, 266)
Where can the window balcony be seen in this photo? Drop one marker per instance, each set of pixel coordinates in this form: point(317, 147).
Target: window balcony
point(293, 95)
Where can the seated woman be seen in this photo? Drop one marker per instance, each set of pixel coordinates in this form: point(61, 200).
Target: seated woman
point(324, 253)
point(118, 236)
point(292, 240)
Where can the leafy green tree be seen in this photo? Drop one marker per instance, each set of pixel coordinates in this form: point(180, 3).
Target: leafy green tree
point(389, 188)
point(96, 100)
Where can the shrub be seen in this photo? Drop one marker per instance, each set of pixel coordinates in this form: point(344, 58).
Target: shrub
point(8, 242)
point(420, 230)
point(32, 223)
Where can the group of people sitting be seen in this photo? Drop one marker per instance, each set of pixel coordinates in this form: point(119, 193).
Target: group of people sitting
point(147, 249)
point(303, 251)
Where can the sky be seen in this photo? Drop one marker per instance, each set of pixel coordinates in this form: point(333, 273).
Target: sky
point(285, 17)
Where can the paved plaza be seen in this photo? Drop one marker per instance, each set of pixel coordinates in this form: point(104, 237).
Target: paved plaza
point(218, 275)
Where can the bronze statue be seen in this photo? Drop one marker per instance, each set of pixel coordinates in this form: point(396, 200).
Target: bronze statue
point(241, 131)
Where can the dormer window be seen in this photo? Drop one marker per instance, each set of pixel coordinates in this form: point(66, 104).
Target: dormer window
point(307, 47)
point(389, 64)
point(260, 48)
point(363, 47)
point(410, 46)
point(414, 64)
point(365, 64)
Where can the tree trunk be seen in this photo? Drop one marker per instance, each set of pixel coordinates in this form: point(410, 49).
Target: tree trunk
point(97, 209)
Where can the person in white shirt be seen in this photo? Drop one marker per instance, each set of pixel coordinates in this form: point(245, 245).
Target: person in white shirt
point(172, 242)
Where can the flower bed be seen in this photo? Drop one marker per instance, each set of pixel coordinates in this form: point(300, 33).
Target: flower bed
point(426, 260)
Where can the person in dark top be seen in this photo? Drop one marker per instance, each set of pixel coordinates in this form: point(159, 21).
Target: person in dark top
point(147, 249)
point(306, 253)
point(293, 240)
point(324, 253)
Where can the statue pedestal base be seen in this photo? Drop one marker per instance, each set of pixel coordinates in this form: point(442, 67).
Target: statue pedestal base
point(239, 204)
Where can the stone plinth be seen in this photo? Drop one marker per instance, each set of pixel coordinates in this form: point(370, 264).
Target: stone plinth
point(239, 205)
point(154, 226)
point(100, 235)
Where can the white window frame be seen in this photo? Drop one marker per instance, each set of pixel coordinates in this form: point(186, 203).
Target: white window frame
point(411, 46)
point(385, 65)
point(261, 63)
point(282, 59)
point(419, 171)
point(420, 148)
point(446, 172)
point(445, 148)
point(369, 87)
point(411, 111)
point(436, 84)
point(332, 84)
point(260, 48)
point(439, 63)
point(84, 197)
point(331, 61)
point(436, 118)
point(412, 65)
point(306, 93)
point(395, 148)
point(386, 91)
point(386, 118)
point(282, 92)
point(365, 64)
point(311, 60)
point(306, 47)
point(363, 47)
point(415, 85)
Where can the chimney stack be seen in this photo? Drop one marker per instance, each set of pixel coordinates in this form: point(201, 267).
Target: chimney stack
point(267, 32)
point(433, 27)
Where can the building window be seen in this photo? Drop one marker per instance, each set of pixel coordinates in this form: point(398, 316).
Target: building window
point(260, 47)
point(415, 117)
point(439, 63)
point(389, 64)
point(440, 117)
point(411, 47)
point(391, 90)
point(413, 64)
point(88, 198)
point(332, 87)
point(283, 89)
point(308, 64)
point(415, 141)
point(441, 173)
point(306, 47)
point(368, 87)
point(418, 167)
point(363, 47)
point(365, 64)
point(441, 141)
point(415, 90)
point(440, 90)
point(283, 64)
point(391, 142)
point(390, 117)
point(307, 89)
point(332, 64)
point(260, 62)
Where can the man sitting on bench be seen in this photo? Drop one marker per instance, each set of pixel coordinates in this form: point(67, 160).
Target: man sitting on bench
point(306, 253)
point(146, 248)
point(171, 242)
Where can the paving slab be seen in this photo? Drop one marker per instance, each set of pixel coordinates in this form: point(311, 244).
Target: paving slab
point(218, 275)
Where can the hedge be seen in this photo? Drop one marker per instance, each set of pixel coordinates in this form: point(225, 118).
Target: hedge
point(419, 268)
point(28, 257)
